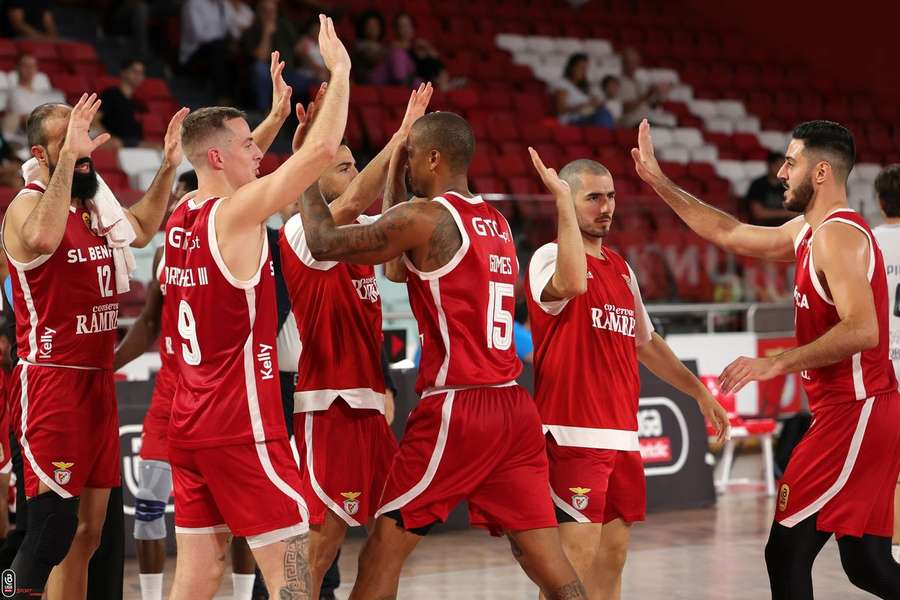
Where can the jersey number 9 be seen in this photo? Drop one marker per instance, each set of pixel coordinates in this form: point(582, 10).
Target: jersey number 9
point(187, 328)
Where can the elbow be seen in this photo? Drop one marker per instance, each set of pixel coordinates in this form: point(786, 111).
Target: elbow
point(326, 150)
point(318, 248)
point(41, 244)
point(576, 288)
point(868, 338)
point(141, 240)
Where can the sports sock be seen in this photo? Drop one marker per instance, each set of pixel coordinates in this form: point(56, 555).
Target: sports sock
point(151, 586)
point(243, 585)
point(895, 550)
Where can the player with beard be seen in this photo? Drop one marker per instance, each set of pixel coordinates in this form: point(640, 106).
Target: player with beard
point(475, 434)
point(66, 295)
point(583, 295)
point(841, 477)
point(340, 399)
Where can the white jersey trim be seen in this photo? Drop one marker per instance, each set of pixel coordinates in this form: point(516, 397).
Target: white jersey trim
point(540, 272)
point(217, 255)
point(433, 463)
point(32, 315)
point(441, 377)
point(855, 444)
point(461, 388)
point(223, 528)
point(799, 239)
point(325, 498)
point(590, 437)
point(359, 398)
point(460, 254)
point(296, 237)
point(26, 447)
point(568, 508)
point(278, 535)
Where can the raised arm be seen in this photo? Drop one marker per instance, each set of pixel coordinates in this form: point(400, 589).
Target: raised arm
point(394, 194)
point(713, 225)
point(842, 254)
point(570, 277)
point(266, 132)
point(147, 214)
point(659, 358)
point(365, 187)
point(255, 202)
point(36, 224)
point(145, 329)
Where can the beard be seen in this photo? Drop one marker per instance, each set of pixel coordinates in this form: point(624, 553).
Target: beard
point(84, 185)
point(801, 197)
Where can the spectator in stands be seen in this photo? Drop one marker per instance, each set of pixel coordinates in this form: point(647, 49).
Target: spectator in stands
point(373, 62)
point(764, 202)
point(425, 57)
point(24, 97)
point(118, 114)
point(239, 17)
point(612, 92)
point(269, 32)
point(576, 103)
point(309, 59)
point(30, 19)
point(640, 100)
point(205, 48)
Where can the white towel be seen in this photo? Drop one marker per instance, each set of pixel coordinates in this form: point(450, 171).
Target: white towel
point(107, 219)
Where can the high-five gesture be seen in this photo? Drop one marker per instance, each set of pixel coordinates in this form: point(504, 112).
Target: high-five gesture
point(333, 52)
point(281, 91)
point(415, 108)
point(645, 162)
point(172, 152)
point(78, 139)
point(305, 117)
point(558, 187)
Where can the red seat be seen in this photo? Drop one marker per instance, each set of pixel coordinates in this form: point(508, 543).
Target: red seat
point(70, 85)
point(523, 185)
point(104, 159)
point(510, 165)
point(503, 128)
point(481, 165)
point(43, 51)
point(365, 95)
point(489, 185)
point(153, 89)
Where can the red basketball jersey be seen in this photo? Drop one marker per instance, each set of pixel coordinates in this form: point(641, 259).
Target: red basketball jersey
point(585, 359)
point(465, 309)
point(166, 378)
point(338, 313)
point(865, 374)
point(228, 389)
point(66, 304)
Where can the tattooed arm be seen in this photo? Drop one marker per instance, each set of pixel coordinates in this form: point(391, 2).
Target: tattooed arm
point(426, 227)
point(395, 193)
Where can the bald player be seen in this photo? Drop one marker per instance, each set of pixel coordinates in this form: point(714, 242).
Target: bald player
point(590, 331)
point(475, 434)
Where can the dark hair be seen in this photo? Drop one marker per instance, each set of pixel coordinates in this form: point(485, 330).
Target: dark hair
point(774, 157)
point(361, 24)
point(571, 63)
point(201, 123)
point(449, 134)
point(607, 80)
point(128, 62)
point(34, 126)
point(887, 186)
point(189, 179)
point(832, 139)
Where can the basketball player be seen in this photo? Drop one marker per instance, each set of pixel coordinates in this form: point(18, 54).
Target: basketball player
point(65, 287)
point(841, 477)
point(887, 189)
point(154, 475)
point(233, 470)
point(475, 434)
point(590, 330)
point(340, 399)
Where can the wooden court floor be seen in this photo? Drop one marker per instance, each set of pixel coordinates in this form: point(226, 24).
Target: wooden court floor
point(713, 553)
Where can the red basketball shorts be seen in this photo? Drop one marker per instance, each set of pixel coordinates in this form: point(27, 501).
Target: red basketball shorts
point(593, 485)
point(154, 434)
point(67, 424)
point(484, 445)
point(345, 454)
point(845, 469)
point(251, 490)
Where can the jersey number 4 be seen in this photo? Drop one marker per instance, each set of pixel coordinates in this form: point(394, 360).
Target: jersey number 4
point(499, 320)
point(187, 328)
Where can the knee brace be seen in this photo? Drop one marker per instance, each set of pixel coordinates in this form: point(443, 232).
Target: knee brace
point(52, 522)
point(155, 486)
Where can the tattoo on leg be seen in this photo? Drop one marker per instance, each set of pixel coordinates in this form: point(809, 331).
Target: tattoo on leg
point(297, 584)
point(570, 591)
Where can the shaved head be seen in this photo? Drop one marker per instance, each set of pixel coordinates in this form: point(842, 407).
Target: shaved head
point(573, 172)
point(449, 134)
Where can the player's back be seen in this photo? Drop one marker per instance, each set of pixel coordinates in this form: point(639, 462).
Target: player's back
point(67, 300)
point(228, 389)
point(888, 236)
point(864, 374)
point(465, 309)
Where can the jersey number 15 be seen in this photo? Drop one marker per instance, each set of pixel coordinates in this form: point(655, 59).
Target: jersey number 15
point(499, 320)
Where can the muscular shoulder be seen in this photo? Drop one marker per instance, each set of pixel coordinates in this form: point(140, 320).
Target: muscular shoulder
point(838, 241)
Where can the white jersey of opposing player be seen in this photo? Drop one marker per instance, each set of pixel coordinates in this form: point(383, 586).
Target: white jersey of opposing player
point(888, 237)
